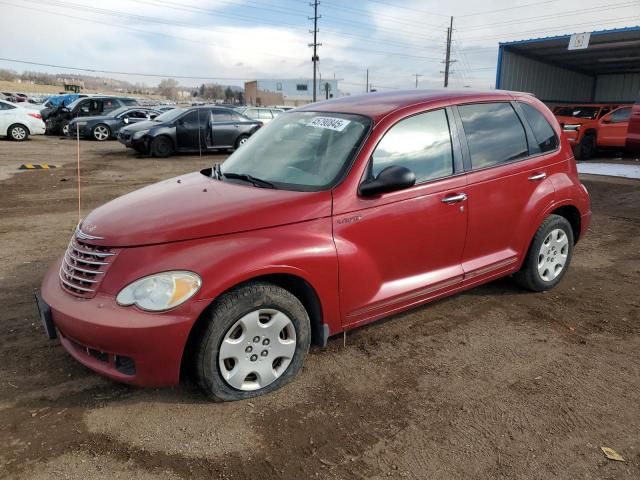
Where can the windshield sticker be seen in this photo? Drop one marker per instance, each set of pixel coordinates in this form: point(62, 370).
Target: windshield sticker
point(337, 124)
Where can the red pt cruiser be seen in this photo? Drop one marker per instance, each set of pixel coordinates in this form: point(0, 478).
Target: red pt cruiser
point(332, 216)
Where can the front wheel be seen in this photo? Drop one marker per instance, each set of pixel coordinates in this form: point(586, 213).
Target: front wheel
point(161, 147)
point(549, 255)
point(101, 132)
point(586, 148)
point(255, 341)
point(18, 133)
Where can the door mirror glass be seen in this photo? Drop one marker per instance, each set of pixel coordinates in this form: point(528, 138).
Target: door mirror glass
point(392, 178)
point(126, 120)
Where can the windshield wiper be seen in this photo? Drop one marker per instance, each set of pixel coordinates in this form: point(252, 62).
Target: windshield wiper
point(257, 182)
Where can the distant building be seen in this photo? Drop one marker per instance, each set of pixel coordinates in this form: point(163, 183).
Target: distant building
point(290, 91)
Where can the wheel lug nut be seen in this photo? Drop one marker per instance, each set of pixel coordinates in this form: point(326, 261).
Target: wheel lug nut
point(256, 339)
point(249, 349)
point(265, 341)
point(264, 353)
point(254, 357)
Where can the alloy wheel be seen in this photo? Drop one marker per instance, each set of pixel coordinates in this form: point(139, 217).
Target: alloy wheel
point(257, 349)
point(18, 133)
point(101, 133)
point(552, 256)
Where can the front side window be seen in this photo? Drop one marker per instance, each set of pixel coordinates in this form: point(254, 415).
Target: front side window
point(421, 143)
point(301, 150)
point(621, 115)
point(494, 133)
point(545, 137)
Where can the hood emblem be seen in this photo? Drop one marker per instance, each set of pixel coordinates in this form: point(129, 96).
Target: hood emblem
point(85, 236)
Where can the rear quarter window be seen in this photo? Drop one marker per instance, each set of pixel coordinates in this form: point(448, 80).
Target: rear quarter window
point(494, 134)
point(545, 138)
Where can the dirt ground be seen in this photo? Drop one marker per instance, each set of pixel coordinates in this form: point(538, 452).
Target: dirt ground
point(493, 383)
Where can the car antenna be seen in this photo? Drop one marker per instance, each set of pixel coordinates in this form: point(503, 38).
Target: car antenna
point(78, 171)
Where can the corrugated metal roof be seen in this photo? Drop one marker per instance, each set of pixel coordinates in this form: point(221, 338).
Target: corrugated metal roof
point(609, 52)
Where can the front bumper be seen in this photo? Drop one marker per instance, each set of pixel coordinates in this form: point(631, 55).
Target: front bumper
point(141, 144)
point(85, 130)
point(572, 136)
point(123, 343)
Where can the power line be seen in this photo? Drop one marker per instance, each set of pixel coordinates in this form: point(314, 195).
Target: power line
point(113, 72)
point(515, 7)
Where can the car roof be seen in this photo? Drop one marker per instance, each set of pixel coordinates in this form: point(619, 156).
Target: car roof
point(379, 104)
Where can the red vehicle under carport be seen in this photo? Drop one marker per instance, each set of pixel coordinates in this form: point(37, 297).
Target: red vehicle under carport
point(605, 71)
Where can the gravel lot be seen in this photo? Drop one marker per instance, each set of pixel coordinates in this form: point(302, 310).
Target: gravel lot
point(492, 383)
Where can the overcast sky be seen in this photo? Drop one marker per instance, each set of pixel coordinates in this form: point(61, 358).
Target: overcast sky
point(229, 41)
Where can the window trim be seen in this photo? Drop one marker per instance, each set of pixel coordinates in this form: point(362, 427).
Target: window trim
point(457, 155)
point(527, 131)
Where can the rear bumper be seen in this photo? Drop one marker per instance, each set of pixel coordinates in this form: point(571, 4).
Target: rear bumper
point(122, 343)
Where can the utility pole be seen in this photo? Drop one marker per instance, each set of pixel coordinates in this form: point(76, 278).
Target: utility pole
point(417, 75)
point(366, 85)
point(448, 61)
point(315, 59)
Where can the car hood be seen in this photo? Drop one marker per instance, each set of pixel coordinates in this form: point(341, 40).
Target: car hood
point(144, 125)
point(91, 119)
point(197, 206)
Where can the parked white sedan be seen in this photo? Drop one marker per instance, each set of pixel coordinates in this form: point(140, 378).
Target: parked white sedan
point(18, 122)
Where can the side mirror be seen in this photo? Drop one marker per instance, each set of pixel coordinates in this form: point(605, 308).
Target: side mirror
point(126, 120)
point(606, 119)
point(390, 179)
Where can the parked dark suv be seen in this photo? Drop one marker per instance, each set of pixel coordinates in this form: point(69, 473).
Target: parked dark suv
point(189, 130)
point(334, 215)
point(57, 119)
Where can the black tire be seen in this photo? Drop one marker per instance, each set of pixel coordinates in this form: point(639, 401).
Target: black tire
point(18, 132)
point(225, 312)
point(529, 277)
point(586, 148)
point(241, 139)
point(161, 146)
point(101, 132)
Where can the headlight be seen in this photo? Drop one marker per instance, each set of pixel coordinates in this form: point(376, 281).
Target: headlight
point(161, 291)
point(572, 127)
point(140, 134)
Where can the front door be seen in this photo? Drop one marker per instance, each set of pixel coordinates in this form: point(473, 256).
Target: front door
point(401, 248)
point(191, 129)
point(612, 129)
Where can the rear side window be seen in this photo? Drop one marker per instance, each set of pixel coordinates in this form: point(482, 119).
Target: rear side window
point(421, 143)
point(494, 133)
point(545, 137)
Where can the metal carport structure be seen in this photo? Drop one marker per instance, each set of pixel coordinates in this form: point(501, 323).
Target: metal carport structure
point(608, 70)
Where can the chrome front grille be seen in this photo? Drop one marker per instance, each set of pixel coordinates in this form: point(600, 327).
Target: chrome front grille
point(83, 267)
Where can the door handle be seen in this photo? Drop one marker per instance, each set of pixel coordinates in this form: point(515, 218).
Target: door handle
point(460, 197)
point(537, 176)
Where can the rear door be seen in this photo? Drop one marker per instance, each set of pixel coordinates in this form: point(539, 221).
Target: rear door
point(612, 129)
point(224, 128)
point(7, 115)
point(633, 132)
point(401, 248)
point(505, 172)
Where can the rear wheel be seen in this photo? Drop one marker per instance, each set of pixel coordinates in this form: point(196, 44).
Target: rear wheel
point(161, 146)
point(65, 129)
point(18, 132)
point(101, 132)
point(242, 139)
point(549, 255)
point(586, 148)
point(255, 341)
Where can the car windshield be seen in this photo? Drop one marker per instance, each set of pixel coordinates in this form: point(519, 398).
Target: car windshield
point(579, 112)
point(170, 115)
point(301, 150)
